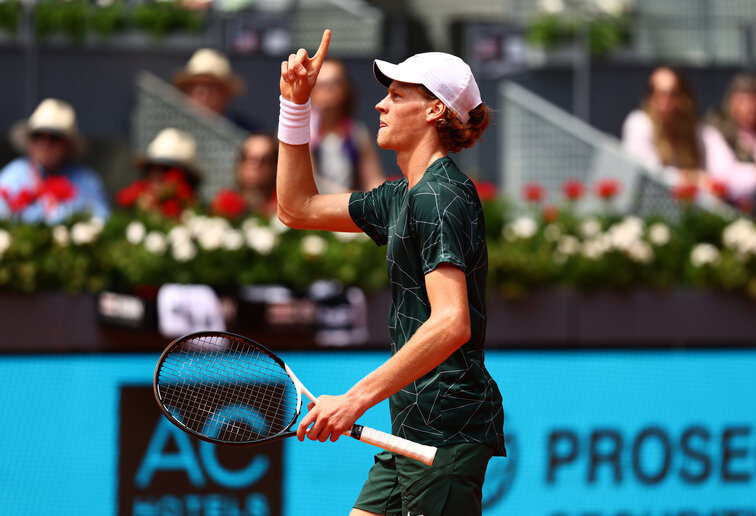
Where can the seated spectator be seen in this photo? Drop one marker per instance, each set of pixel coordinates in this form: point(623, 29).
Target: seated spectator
point(345, 153)
point(169, 179)
point(256, 173)
point(209, 82)
point(46, 184)
point(666, 135)
point(736, 118)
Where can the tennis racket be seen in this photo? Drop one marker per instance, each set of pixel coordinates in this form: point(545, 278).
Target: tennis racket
point(227, 389)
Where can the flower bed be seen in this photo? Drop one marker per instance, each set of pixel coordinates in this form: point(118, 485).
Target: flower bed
point(541, 246)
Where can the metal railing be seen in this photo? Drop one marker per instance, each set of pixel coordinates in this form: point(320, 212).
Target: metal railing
point(159, 105)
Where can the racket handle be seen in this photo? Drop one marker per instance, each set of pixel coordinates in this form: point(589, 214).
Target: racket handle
point(421, 452)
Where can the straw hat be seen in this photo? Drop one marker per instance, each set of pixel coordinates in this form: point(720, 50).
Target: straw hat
point(173, 148)
point(209, 63)
point(51, 116)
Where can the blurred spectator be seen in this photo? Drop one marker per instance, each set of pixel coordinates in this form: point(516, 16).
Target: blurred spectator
point(209, 82)
point(256, 173)
point(345, 154)
point(736, 117)
point(666, 134)
point(169, 176)
point(46, 184)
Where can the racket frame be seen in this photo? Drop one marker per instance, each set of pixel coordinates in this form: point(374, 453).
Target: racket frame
point(299, 387)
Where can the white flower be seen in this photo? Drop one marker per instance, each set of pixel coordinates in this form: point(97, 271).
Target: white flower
point(625, 233)
point(261, 239)
point(60, 235)
point(184, 251)
point(179, 234)
point(590, 228)
point(135, 232)
point(704, 254)
point(313, 245)
point(568, 245)
point(84, 233)
point(613, 7)
point(551, 6)
point(640, 252)
point(233, 240)
point(5, 241)
point(740, 236)
point(277, 226)
point(348, 236)
point(659, 234)
point(593, 249)
point(249, 223)
point(155, 242)
point(209, 231)
point(552, 233)
point(521, 227)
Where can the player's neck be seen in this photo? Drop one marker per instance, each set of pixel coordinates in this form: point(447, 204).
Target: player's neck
point(414, 164)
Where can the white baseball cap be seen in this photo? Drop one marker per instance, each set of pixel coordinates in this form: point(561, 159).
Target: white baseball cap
point(447, 76)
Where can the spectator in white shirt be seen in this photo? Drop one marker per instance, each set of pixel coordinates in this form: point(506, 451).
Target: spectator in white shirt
point(667, 136)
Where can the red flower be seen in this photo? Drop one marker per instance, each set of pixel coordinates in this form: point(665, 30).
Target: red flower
point(229, 204)
point(573, 189)
point(685, 192)
point(128, 196)
point(549, 213)
point(174, 176)
point(607, 189)
point(170, 208)
point(718, 188)
point(18, 203)
point(533, 192)
point(59, 188)
point(486, 190)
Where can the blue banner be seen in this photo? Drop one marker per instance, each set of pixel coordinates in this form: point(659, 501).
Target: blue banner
point(651, 433)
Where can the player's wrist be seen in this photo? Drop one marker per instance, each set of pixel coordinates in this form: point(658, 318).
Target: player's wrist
point(294, 122)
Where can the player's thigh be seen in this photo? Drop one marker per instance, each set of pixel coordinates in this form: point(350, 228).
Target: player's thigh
point(452, 486)
point(360, 512)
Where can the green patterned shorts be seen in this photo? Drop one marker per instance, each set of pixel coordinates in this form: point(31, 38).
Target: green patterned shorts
point(400, 486)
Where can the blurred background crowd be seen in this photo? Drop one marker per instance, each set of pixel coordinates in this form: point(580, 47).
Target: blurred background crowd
point(112, 93)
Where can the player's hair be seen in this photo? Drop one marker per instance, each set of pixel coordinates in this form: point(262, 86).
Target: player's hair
point(456, 135)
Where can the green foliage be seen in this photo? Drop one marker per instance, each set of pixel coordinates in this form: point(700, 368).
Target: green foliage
point(160, 18)
point(77, 18)
point(10, 15)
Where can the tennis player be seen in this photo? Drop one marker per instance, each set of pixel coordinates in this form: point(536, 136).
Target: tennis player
point(439, 390)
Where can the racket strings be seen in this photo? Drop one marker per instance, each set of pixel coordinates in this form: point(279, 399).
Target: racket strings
point(227, 389)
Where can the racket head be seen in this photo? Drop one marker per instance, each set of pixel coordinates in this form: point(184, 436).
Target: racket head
point(226, 389)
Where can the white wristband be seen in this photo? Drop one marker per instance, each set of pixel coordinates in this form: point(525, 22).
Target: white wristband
point(294, 122)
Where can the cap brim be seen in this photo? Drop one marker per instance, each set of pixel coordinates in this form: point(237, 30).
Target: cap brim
point(386, 73)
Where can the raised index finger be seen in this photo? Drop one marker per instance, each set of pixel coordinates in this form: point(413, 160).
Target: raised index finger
point(320, 55)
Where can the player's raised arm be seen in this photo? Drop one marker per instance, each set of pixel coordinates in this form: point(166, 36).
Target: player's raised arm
point(299, 203)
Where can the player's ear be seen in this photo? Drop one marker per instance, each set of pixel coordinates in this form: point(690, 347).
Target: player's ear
point(436, 110)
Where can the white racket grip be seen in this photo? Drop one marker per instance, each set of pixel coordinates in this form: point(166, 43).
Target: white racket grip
point(424, 453)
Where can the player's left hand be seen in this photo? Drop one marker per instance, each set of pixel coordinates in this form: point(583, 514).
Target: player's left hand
point(300, 72)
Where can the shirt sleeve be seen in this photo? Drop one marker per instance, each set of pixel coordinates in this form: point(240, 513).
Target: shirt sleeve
point(722, 164)
point(370, 210)
point(444, 221)
point(638, 141)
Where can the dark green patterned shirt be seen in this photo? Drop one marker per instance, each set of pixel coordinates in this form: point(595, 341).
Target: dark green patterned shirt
point(439, 220)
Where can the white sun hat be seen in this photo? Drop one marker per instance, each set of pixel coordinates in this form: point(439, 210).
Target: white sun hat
point(51, 116)
point(209, 63)
point(447, 76)
point(172, 147)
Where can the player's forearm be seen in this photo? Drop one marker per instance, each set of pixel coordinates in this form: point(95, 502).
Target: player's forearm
point(433, 342)
point(295, 184)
